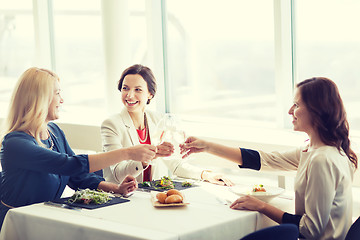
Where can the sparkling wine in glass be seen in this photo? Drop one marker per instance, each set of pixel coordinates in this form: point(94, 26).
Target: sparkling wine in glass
point(169, 129)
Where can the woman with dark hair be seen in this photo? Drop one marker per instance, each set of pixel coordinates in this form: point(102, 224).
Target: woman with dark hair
point(134, 125)
point(325, 166)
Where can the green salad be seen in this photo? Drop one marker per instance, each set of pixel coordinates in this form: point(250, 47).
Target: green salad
point(146, 184)
point(186, 184)
point(164, 183)
point(87, 196)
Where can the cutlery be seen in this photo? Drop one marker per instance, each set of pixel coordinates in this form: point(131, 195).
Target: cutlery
point(123, 196)
point(61, 205)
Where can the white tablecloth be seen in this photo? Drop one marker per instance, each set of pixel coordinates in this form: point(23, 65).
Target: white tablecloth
point(204, 218)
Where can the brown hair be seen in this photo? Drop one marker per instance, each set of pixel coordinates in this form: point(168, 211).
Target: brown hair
point(322, 99)
point(145, 73)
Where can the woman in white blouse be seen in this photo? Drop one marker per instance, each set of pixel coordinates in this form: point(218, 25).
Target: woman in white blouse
point(325, 166)
point(135, 125)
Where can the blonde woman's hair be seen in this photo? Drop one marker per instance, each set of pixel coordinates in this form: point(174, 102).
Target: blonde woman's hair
point(30, 102)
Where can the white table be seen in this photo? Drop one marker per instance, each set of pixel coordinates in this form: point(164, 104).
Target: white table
point(204, 218)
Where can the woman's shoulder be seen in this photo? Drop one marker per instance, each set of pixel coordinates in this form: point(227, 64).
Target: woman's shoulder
point(55, 129)
point(154, 116)
point(328, 155)
point(116, 118)
point(113, 122)
point(17, 137)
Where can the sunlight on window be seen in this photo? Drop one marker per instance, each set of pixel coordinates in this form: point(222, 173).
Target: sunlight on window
point(328, 44)
point(16, 45)
point(221, 60)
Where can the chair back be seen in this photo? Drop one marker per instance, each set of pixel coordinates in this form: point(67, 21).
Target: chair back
point(279, 232)
point(354, 231)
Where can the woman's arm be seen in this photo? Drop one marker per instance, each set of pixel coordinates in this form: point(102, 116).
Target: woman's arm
point(115, 136)
point(141, 153)
point(195, 145)
point(250, 203)
point(37, 158)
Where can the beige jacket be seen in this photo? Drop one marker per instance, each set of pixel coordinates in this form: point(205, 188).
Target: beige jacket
point(118, 131)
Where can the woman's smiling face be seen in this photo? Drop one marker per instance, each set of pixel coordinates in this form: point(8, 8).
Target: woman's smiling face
point(53, 112)
point(135, 93)
point(301, 116)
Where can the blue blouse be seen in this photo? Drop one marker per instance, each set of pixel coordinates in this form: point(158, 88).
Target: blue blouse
point(34, 174)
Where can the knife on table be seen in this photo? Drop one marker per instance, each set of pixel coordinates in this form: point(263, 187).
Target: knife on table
point(61, 205)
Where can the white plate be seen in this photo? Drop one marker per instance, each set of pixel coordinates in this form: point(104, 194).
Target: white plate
point(270, 193)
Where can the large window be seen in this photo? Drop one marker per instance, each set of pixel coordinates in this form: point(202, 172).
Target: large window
point(80, 56)
point(17, 46)
point(79, 59)
point(221, 60)
point(328, 44)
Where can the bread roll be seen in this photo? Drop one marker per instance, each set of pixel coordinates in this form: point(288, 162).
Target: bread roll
point(161, 196)
point(173, 191)
point(174, 199)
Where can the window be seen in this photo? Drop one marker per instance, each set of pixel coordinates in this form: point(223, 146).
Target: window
point(328, 44)
point(221, 62)
point(80, 53)
point(79, 59)
point(16, 45)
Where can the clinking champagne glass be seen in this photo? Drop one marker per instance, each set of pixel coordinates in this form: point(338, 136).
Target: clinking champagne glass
point(169, 130)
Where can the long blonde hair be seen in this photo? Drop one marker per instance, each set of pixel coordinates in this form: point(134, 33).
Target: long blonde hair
point(30, 102)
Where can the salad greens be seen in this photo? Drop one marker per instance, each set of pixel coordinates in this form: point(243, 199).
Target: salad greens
point(186, 184)
point(146, 184)
point(164, 183)
point(88, 196)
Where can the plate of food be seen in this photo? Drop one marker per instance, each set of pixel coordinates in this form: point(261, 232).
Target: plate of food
point(261, 192)
point(164, 184)
point(170, 198)
point(91, 199)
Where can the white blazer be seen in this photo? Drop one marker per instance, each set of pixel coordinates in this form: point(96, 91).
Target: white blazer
point(119, 131)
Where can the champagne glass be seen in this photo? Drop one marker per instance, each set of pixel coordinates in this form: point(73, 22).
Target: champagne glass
point(169, 129)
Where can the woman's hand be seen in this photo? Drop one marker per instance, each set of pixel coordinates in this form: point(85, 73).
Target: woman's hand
point(142, 153)
point(128, 185)
point(248, 203)
point(192, 145)
point(165, 149)
point(216, 178)
point(253, 204)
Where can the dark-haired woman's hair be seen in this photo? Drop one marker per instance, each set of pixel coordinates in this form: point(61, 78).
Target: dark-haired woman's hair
point(322, 99)
point(145, 73)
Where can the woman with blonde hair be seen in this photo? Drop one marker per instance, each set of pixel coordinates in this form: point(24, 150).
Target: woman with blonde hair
point(37, 161)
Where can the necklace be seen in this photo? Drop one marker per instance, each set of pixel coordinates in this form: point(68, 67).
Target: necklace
point(146, 131)
point(51, 141)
